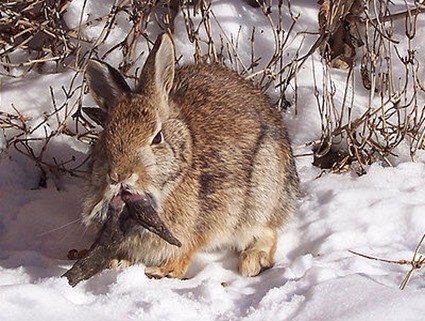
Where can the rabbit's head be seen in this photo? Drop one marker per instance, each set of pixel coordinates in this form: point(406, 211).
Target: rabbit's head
point(143, 150)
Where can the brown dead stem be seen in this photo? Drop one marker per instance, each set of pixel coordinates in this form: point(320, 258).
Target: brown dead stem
point(415, 263)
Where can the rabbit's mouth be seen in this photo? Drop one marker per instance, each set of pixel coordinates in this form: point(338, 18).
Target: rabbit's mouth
point(126, 197)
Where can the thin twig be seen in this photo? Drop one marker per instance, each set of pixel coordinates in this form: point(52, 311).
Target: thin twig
point(416, 262)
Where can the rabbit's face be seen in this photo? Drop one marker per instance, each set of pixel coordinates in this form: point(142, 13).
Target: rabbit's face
point(137, 158)
point(143, 149)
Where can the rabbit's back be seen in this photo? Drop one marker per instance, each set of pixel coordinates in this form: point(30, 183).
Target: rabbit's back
point(241, 155)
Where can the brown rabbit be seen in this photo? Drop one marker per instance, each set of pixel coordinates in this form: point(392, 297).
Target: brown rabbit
point(209, 150)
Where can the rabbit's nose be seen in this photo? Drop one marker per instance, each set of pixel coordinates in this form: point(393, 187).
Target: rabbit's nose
point(120, 178)
point(114, 178)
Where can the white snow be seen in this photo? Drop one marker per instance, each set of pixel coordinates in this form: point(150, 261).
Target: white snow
point(315, 277)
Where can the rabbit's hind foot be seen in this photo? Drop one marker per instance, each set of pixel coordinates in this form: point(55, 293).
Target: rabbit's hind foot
point(258, 256)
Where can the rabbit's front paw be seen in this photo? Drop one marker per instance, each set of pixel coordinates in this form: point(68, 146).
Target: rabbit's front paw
point(252, 262)
point(159, 272)
point(119, 264)
point(171, 269)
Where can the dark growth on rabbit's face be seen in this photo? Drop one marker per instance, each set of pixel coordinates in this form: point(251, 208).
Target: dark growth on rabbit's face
point(134, 153)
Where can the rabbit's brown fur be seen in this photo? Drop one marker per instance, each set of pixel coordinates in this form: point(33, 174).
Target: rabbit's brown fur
point(223, 175)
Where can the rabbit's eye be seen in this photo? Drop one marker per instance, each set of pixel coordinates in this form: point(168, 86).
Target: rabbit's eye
point(158, 138)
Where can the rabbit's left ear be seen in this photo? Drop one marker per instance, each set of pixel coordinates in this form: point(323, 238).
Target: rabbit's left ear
point(158, 71)
point(106, 84)
point(98, 115)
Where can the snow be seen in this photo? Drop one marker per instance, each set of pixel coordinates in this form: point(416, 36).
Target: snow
point(314, 278)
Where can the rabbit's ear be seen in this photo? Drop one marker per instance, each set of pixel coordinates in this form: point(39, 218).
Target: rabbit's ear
point(158, 71)
point(106, 84)
point(98, 115)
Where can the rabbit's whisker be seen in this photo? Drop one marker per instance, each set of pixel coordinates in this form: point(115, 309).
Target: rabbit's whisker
point(60, 227)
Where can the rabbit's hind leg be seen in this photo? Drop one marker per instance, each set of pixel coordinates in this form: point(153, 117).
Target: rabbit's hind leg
point(258, 256)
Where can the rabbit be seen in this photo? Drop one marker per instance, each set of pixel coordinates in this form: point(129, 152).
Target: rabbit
point(206, 146)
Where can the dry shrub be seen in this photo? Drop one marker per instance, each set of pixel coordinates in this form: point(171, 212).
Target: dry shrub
point(391, 78)
point(34, 37)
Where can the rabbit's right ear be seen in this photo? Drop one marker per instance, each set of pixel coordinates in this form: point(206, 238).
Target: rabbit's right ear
point(106, 84)
point(158, 72)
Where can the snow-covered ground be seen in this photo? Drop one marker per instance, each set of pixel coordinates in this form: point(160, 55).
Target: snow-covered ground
point(315, 277)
